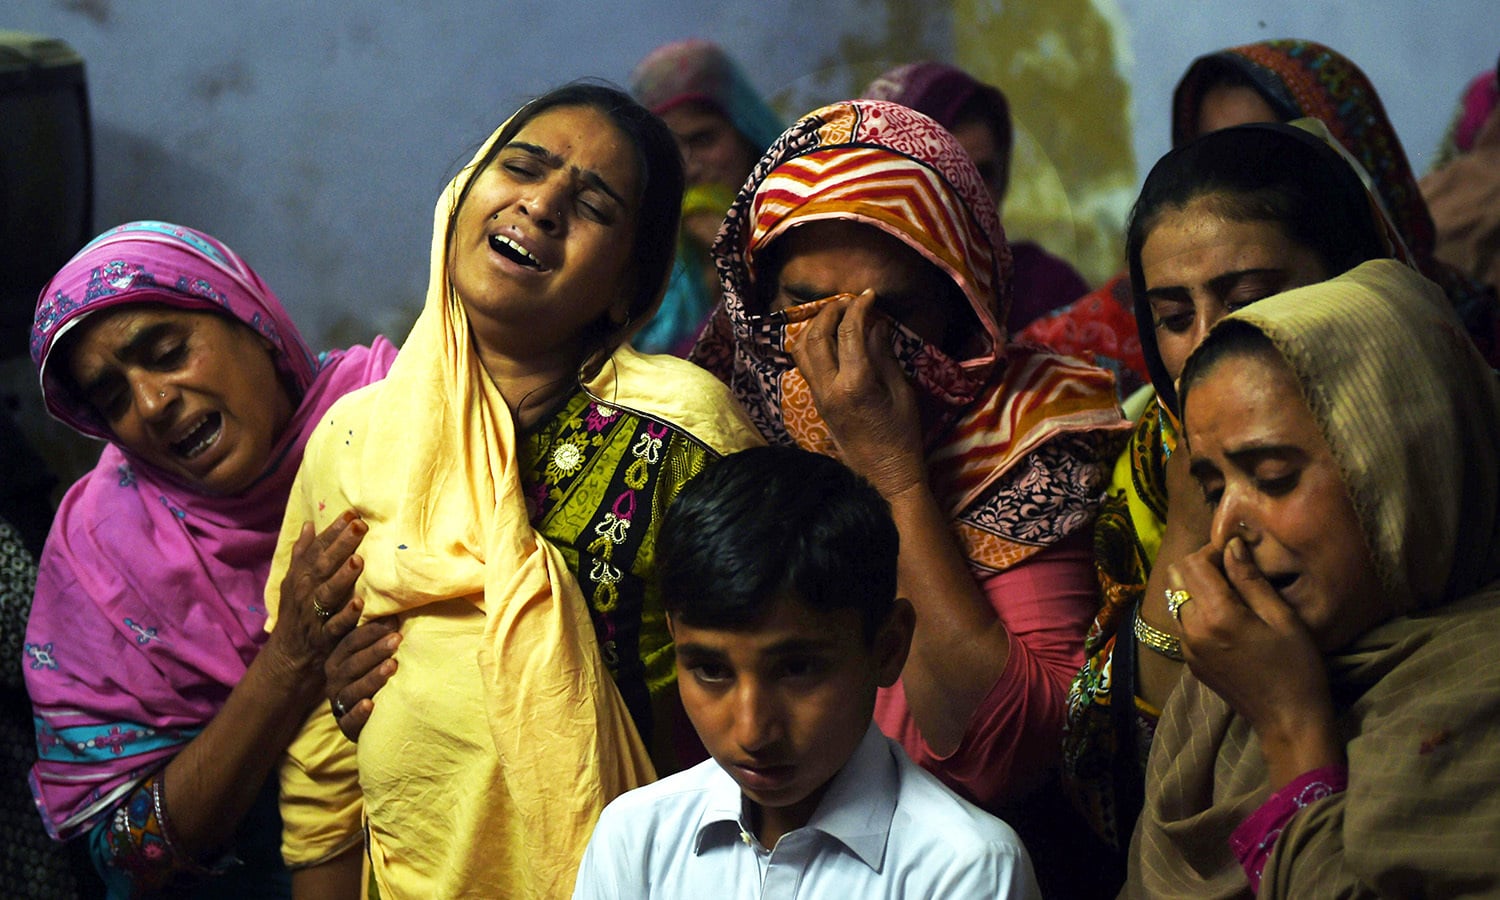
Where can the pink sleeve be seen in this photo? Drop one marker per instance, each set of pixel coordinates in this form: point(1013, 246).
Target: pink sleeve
point(1015, 735)
point(1254, 840)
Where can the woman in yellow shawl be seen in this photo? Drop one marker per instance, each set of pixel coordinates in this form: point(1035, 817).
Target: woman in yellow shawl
point(1336, 735)
point(511, 470)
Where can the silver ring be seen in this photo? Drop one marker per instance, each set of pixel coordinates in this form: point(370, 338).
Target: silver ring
point(339, 710)
point(323, 612)
point(1176, 600)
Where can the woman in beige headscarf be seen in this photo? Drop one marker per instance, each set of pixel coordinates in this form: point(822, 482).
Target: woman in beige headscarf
point(1337, 733)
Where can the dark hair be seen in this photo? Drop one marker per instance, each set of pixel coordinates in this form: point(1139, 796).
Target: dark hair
point(1229, 339)
point(1256, 173)
point(660, 208)
point(1224, 70)
point(775, 522)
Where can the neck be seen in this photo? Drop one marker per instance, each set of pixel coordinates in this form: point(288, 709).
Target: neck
point(532, 383)
point(770, 823)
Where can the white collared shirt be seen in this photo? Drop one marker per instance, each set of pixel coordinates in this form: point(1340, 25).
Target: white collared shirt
point(884, 829)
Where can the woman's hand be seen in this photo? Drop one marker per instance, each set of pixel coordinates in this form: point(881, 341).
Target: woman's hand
point(1243, 641)
point(356, 669)
point(315, 594)
point(1189, 521)
point(862, 394)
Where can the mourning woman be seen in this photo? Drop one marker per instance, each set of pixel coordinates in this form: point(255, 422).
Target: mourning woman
point(866, 284)
point(512, 469)
point(1336, 733)
point(161, 702)
point(1222, 222)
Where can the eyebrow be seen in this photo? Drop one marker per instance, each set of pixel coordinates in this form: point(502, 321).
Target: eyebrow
point(134, 348)
point(588, 176)
point(1247, 454)
point(788, 647)
point(805, 293)
point(1219, 284)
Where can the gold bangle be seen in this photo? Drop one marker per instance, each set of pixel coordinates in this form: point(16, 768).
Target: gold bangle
point(1157, 640)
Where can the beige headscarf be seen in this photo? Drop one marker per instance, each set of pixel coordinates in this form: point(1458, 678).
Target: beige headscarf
point(1412, 414)
point(429, 458)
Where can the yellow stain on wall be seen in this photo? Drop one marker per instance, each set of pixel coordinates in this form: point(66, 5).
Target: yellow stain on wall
point(1073, 174)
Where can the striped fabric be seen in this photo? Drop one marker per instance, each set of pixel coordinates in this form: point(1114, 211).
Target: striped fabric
point(896, 170)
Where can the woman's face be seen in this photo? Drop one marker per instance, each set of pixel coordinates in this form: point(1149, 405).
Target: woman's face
point(830, 257)
point(1199, 267)
point(713, 150)
point(541, 246)
point(978, 140)
point(194, 394)
point(1267, 471)
point(1226, 106)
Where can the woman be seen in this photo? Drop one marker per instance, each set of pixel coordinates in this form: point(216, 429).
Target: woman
point(1278, 81)
point(163, 342)
point(987, 453)
point(1464, 193)
point(979, 116)
point(1282, 80)
point(513, 530)
point(722, 126)
point(1221, 222)
point(1336, 733)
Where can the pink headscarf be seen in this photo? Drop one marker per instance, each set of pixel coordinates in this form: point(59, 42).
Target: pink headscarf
point(148, 599)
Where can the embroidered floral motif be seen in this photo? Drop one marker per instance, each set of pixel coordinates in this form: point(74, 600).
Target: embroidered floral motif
point(143, 634)
point(599, 417)
point(127, 475)
point(41, 656)
point(567, 459)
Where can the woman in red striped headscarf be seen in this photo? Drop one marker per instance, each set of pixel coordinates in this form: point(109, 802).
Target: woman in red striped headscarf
point(866, 280)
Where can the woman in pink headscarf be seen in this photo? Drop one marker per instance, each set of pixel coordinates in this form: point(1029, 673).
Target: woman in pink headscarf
point(161, 703)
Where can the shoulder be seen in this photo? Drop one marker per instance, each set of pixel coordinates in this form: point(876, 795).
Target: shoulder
point(371, 361)
point(972, 836)
point(659, 818)
point(678, 393)
point(352, 410)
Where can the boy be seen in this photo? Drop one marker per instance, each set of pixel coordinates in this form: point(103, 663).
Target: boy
point(778, 572)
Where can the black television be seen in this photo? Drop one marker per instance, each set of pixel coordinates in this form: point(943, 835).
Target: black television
point(46, 173)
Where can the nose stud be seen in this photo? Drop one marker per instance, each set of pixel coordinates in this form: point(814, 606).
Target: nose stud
point(1243, 526)
point(163, 394)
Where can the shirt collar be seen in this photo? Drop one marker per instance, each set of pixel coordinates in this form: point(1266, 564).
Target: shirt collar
point(856, 811)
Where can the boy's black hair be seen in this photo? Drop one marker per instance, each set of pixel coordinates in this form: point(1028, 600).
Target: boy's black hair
point(775, 522)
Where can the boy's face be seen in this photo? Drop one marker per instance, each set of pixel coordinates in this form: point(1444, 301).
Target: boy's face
point(782, 704)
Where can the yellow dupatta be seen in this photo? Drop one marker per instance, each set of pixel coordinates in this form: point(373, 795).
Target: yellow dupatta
point(429, 459)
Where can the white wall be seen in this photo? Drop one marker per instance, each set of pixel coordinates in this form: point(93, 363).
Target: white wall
point(1418, 53)
point(314, 137)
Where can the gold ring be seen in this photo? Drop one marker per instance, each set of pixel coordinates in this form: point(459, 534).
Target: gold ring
point(1176, 600)
point(323, 612)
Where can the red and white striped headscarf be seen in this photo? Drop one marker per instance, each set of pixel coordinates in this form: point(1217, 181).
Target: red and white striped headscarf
point(993, 414)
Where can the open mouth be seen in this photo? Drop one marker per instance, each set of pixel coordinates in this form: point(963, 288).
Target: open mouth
point(1279, 583)
point(200, 438)
point(514, 252)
